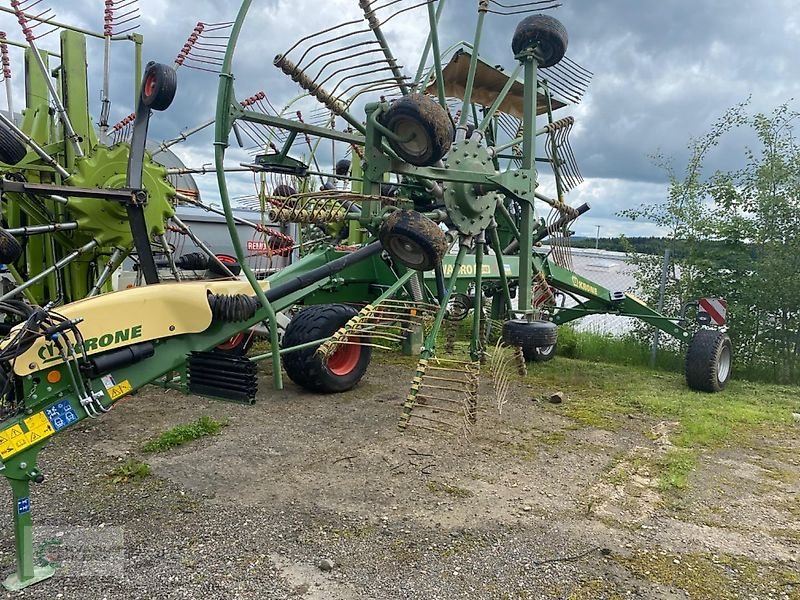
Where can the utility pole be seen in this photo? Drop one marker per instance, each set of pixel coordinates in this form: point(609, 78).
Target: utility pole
point(597, 239)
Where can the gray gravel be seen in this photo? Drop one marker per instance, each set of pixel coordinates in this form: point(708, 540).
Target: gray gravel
point(318, 497)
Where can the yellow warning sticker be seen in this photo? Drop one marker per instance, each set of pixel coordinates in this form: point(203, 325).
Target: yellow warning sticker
point(13, 439)
point(119, 390)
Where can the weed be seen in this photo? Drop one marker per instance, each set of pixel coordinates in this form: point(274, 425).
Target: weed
point(180, 434)
point(674, 468)
point(131, 470)
point(439, 487)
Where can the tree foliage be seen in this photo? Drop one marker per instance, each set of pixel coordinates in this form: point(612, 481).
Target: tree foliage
point(736, 233)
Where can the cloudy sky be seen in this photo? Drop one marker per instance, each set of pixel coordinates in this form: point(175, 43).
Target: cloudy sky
point(663, 72)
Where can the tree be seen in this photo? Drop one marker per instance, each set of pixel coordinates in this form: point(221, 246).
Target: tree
point(739, 235)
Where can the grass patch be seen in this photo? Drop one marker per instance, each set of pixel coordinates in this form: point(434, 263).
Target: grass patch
point(601, 394)
point(131, 470)
point(440, 487)
point(181, 434)
point(703, 576)
point(674, 469)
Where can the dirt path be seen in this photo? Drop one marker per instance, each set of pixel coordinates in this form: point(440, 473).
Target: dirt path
point(319, 497)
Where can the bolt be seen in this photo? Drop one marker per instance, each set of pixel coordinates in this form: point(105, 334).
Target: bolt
point(23, 465)
point(31, 366)
point(49, 388)
point(172, 327)
point(35, 396)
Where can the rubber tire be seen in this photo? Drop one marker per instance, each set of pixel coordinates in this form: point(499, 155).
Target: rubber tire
point(307, 369)
point(10, 248)
point(12, 150)
point(546, 34)
point(541, 354)
point(413, 231)
point(706, 349)
point(429, 116)
point(229, 261)
point(530, 335)
point(159, 84)
point(241, 346)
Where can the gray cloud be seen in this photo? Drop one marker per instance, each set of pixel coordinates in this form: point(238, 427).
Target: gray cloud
point(663, 72)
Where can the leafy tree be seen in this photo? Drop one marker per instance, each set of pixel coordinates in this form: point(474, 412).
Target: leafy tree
point(736, 234)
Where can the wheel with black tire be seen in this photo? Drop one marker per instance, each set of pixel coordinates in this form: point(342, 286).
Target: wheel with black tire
point(424, 127)
point(12, 150)
point(227, 260)
point(413, 240)
point(343, 370)
point(546, 35)
point(10, 249)
point(159, 85)
point(541, 354)
point(709, 360)
point(237, 345)
point(530, 335)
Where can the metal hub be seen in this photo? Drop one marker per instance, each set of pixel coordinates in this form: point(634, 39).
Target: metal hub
point(468, 206)
point(107, 221)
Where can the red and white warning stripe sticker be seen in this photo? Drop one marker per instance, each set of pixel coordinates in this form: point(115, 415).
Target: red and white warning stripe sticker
point(717, 309)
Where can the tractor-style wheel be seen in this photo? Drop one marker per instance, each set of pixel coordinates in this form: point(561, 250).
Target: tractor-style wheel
point(158, 86)
point(413, 240)
point(530, 335)
point(424, 127)
point(709, 360)
point(10, 249)
point(546, 35)
point(12, 150)
point(343, 370)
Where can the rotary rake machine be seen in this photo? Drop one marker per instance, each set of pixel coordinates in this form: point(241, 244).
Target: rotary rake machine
point(431, 216)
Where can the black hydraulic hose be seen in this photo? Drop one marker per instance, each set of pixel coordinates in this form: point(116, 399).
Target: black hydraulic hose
point(314, 275)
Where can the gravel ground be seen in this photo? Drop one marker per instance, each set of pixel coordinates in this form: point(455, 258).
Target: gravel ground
point(319, 497)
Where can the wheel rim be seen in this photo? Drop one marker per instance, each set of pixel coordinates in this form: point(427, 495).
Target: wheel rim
point(149, 85)
point(545, 350)
point(724, 364)
point(406, 250)
point(419, 144)
point(345, 359)
point(233, 343)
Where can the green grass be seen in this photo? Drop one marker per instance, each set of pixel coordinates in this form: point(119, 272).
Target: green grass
point(602, 394)
point(131, 470)
point(181, 434)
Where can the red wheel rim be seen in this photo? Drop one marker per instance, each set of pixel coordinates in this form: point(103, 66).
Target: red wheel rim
point(233, 343)
point(149, 85)
point(345, 359)
point(226, 259)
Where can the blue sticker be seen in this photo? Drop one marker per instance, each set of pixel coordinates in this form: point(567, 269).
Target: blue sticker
point(23, 505)
point(60, 415)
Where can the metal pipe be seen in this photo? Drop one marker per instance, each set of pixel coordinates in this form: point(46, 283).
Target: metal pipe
point(59, 106)
point(487, 118)
point(170, 258)
point(475, 349)
point(375, 25)
point(182, 136)
point(494, 242)
point(424, 58)
point(314, 275)
point(52, 269)
point(461, 135)
point(433, 38)
point(528, 166)
point(113, 262)
point(37, 229)
point(223, 124)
